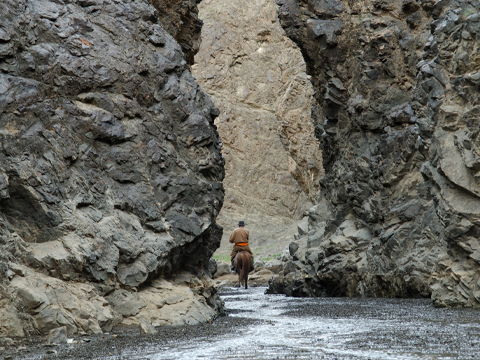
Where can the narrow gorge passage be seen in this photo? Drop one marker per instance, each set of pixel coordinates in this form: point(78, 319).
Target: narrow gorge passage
point(256, 76)
point(115, 162)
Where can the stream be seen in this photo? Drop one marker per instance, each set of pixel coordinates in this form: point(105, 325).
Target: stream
point(333, 328)
point(260, 326)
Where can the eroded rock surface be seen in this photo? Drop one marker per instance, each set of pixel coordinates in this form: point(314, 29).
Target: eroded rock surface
point(397, 111)
point(256, 76)
point(110, 169)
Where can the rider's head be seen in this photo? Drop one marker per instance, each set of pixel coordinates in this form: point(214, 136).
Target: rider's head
point(241, 223)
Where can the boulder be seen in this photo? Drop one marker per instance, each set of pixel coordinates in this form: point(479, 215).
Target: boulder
point(30, 297)
point(259, 265)
point(297, 249)
point(10, 324)
point(125, 302)
point(292, 248)
point(147, 328)
point(284, 256)
point(275, 266)
point(303, 227)
point(212, 267)
point(222, 269)
point(58, 335)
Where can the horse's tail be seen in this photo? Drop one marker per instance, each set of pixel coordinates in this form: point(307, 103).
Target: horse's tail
point(246, 262)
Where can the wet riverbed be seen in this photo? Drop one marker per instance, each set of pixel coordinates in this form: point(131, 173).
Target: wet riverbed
point(275, 327)
point(338, 328)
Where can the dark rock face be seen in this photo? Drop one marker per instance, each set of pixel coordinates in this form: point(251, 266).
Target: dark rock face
point(180, 19)
point(110, 164)
point(397, 110)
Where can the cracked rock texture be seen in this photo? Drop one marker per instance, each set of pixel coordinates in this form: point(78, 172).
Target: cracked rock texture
point(110, 168)
point(397, 109)
point(256, 76)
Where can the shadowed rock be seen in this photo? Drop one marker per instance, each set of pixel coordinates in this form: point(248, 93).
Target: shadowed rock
point(397, 112)
point(110, 165)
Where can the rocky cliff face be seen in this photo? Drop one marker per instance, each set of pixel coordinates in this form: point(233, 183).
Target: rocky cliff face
point(110, 169)
point(180, 19)
point(256, 76)
point(397, 111)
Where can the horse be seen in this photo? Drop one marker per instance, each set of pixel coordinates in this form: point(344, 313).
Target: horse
point(242, 262)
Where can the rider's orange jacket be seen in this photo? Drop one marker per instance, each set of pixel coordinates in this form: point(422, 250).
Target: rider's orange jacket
point(239, 235)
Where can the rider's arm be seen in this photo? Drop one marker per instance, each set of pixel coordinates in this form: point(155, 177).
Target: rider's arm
point(232, 237)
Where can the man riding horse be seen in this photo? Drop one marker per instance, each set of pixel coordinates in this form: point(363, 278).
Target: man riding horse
point(239, 238)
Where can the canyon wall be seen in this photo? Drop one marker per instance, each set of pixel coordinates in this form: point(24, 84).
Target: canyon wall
point(397, 111)
point(257, 78)
point(110, 168)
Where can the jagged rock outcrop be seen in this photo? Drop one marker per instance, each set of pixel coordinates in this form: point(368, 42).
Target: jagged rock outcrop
point(110, 170)
point(256, 76)
point(397, 111)
point(180, 19)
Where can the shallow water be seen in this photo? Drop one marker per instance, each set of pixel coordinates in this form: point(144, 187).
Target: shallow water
point(333, 328)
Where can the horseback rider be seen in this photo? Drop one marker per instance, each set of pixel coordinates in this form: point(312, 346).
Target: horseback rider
point(239, 238)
